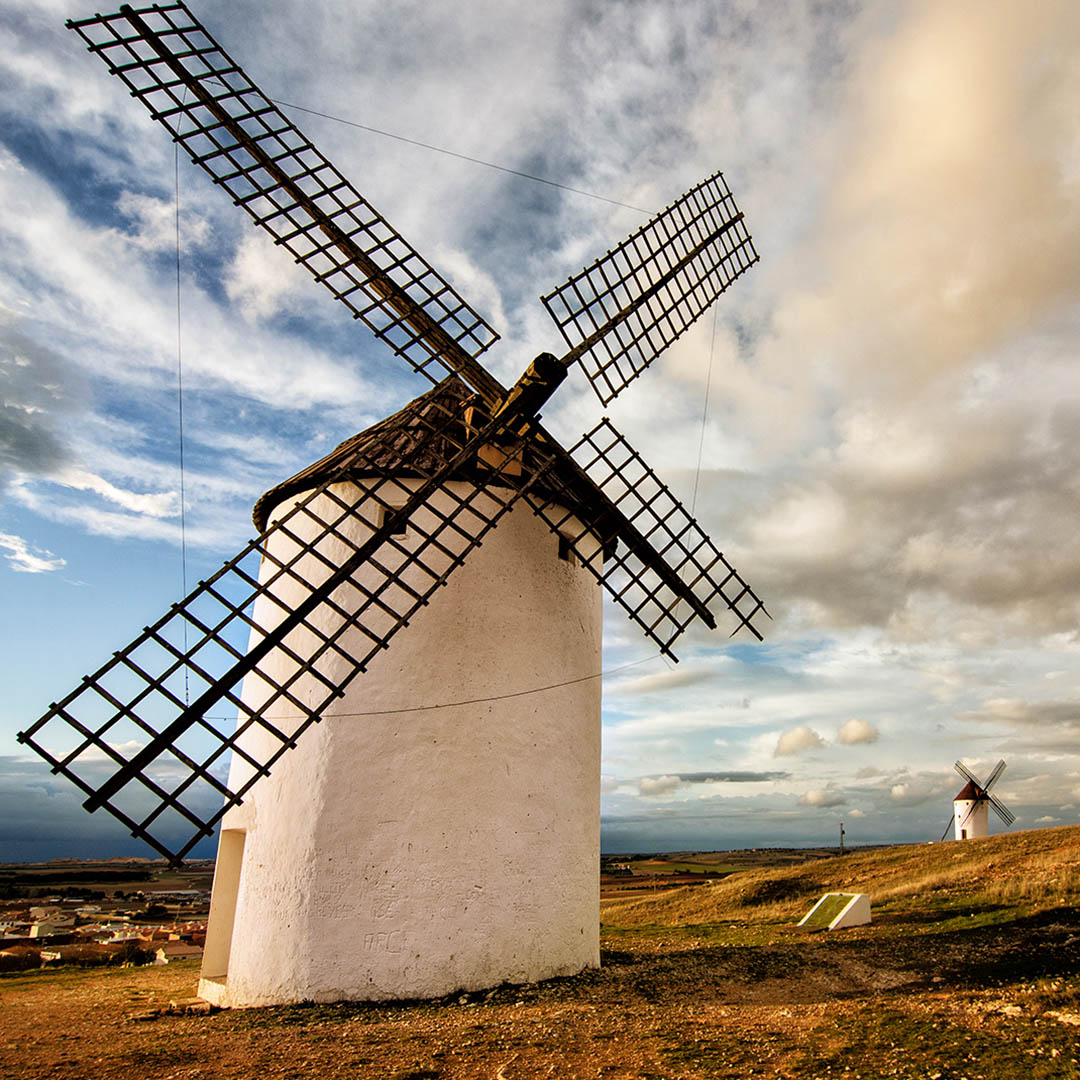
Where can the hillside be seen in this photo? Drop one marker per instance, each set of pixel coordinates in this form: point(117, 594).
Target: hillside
point(971, 968)
point(1031, 870)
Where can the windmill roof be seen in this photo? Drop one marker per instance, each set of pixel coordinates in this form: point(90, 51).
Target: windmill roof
point(392, 445)
point(970, 793)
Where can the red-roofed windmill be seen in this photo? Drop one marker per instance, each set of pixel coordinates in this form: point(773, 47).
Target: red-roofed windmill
point(402, 849)
point(970, 818)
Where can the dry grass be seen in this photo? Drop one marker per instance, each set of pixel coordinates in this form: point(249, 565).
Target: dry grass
point(1036, 870)
point(970, 969)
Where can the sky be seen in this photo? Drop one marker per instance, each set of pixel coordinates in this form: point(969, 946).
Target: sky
point(884, 407)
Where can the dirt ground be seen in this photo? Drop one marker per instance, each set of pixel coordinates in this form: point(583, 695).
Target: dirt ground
point(902, 1000)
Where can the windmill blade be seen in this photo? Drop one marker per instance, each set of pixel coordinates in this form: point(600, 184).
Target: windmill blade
point(992, 779)
point(145, 737)
point(948, 828)
point(665, 556)
point(235, 133)
point(1002, 811)
point(966, 773)
point(620, 313)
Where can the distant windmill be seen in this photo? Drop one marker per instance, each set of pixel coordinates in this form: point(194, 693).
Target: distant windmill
point(401, 851)
point(969, 819)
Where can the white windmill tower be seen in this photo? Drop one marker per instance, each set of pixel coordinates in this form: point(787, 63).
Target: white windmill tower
point(970, 817)
point(437, 827)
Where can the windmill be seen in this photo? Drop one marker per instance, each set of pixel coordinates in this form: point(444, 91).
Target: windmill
point(396, 850)
point(969, 819)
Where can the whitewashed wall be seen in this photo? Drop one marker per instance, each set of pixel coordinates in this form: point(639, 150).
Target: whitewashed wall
point(412, 854)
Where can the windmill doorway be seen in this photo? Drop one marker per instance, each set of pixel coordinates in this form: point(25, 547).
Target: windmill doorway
point(219, 927)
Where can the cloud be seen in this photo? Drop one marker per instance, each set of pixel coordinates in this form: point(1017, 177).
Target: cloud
point(664, 681)
point(27, 559)
point(903, 497)
point(659, 785)
point(797, 740)
point(732, 777)
point(163, 504)
point(40, 390)
point(927, 482)
point(41, 816)
point(912, 793)
point(1024, 713)
point(856, 730)
point(153, 223)
point(608, 783)
point(259, 282)
point(822, 798)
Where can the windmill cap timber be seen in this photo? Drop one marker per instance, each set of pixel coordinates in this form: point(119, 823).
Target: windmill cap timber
point(970, 793)
point(390, 447)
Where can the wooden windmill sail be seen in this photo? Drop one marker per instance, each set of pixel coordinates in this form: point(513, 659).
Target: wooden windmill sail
point(970, 805)
point(353, 550)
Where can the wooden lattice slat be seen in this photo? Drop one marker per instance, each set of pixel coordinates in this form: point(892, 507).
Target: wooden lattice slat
point(622, 311)
point(668, 532)
point(234, 132)
point(120, 736)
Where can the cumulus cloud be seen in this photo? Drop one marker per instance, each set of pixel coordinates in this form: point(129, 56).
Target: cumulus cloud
point(910, 174)
point(658, 785)
point(822, 797)
point(856, 730)
point(797, 740)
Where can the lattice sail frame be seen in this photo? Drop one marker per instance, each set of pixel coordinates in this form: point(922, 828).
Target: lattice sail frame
point(645, 502)
point(140, 740)
point(621, 312)
point(132, 732)
point(230, 129)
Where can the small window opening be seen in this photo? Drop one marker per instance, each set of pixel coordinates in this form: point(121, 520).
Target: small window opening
point(403, 527)
point(566, 551)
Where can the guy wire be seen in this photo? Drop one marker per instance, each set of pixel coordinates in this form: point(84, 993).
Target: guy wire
point(478, 701)
point(460, 157)
point(180, 408)
point(704, 411)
